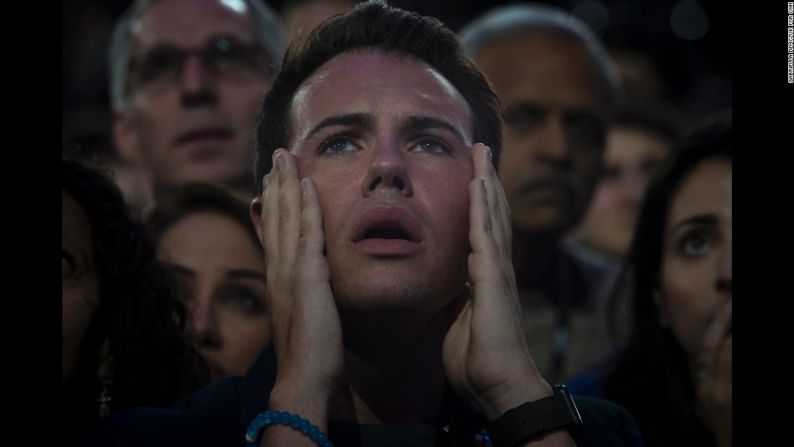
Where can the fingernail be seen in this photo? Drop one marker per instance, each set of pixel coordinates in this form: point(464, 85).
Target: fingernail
point(277, 159)
point(266, 180)
point(304, 187)
point(490, 154)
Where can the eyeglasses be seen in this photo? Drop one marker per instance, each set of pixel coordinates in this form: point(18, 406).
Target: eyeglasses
point(224, 56)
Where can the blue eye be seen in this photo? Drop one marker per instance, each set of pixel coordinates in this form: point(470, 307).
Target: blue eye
point(695, 244)
point(431, 145)
point(242, 299)
point(337, 145)
point(250, 304)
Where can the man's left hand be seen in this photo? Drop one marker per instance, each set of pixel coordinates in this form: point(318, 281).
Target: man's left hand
point(486, 357)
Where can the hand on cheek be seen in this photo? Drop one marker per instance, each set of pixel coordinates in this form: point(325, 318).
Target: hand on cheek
point(485, 354)
point(307, 333)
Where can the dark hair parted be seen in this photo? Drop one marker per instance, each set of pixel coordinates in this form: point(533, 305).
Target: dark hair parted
point(650, 377)
point(138, 313)
point(196, 198)
point(376, 26)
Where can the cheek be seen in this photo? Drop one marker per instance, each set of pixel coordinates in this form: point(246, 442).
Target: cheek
point(76, 317)
point(604, 198)
point(156, 110)
point(155, 126)
point(515, 164)
point(689, 301)
point(77, 310)
point(242, 101)
point(337, 188)
point(245, 334)
point(448, 203)
point(243, 341)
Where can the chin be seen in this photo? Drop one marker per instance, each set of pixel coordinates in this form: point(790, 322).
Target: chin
point(219, 172)
point(392, 293)
point(380, 293)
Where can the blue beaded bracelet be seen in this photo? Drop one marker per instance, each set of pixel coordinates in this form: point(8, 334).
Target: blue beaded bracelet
point(269, 418)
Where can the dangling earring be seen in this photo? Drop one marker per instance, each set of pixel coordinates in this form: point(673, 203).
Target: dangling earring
point(107, 382)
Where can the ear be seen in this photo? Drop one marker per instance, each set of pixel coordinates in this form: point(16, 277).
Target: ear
point(256, 218)
point(125, 135)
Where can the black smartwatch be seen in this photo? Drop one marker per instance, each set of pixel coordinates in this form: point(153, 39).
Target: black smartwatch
point(534, 418)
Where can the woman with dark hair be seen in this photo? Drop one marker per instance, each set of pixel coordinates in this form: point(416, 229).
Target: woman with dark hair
point(205, 236)
point(122, 324)
point(675, 373)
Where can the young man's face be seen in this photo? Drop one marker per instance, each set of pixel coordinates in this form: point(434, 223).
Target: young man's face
point(555, 121)
point(193, 119)
point(387, 142)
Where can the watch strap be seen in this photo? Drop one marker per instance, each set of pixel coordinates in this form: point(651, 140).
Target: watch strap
point(534, 418)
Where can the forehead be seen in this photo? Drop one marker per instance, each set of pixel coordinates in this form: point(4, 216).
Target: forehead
point(707, 190)
point(386, 86)
point(208, 232)
point(543, 67)
point(192, 226)
point(633, 144)
point(190, 23)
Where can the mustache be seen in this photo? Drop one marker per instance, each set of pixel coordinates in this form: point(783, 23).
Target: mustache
point(561, 180)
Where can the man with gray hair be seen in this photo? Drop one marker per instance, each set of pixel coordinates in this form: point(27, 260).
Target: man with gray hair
point(187, 78)
point(559, 91)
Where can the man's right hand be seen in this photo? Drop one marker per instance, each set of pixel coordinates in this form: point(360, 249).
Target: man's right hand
point(307, 333)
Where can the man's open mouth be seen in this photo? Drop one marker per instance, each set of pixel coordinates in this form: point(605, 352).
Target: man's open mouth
point(387, 223)
point(387, 231)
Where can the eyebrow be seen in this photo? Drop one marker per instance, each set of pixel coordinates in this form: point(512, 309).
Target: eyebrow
point(179, 270)
point(348, 119)
point(699, 219)
point(246, 274)
point(413, 124)
point(417, 123)
point(232, 273)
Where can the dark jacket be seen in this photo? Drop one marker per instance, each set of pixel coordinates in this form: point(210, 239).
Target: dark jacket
point(218, 415)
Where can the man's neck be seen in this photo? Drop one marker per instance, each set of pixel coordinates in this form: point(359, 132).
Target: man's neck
point(535, 257)
point(394, 372)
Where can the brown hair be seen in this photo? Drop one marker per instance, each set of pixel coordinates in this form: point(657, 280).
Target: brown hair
point(375, 25)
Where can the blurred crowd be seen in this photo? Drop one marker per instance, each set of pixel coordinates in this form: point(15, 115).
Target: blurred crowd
point(617, 170)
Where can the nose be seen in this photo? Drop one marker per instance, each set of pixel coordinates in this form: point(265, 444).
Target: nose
point(552, 142)
point(197, 83)
point(387, 170)
point(204, 325)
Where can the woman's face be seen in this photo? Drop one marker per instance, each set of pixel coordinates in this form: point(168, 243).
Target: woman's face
point(631, 155)
point(697, 262)
point(80, 288)
point(221, 271)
